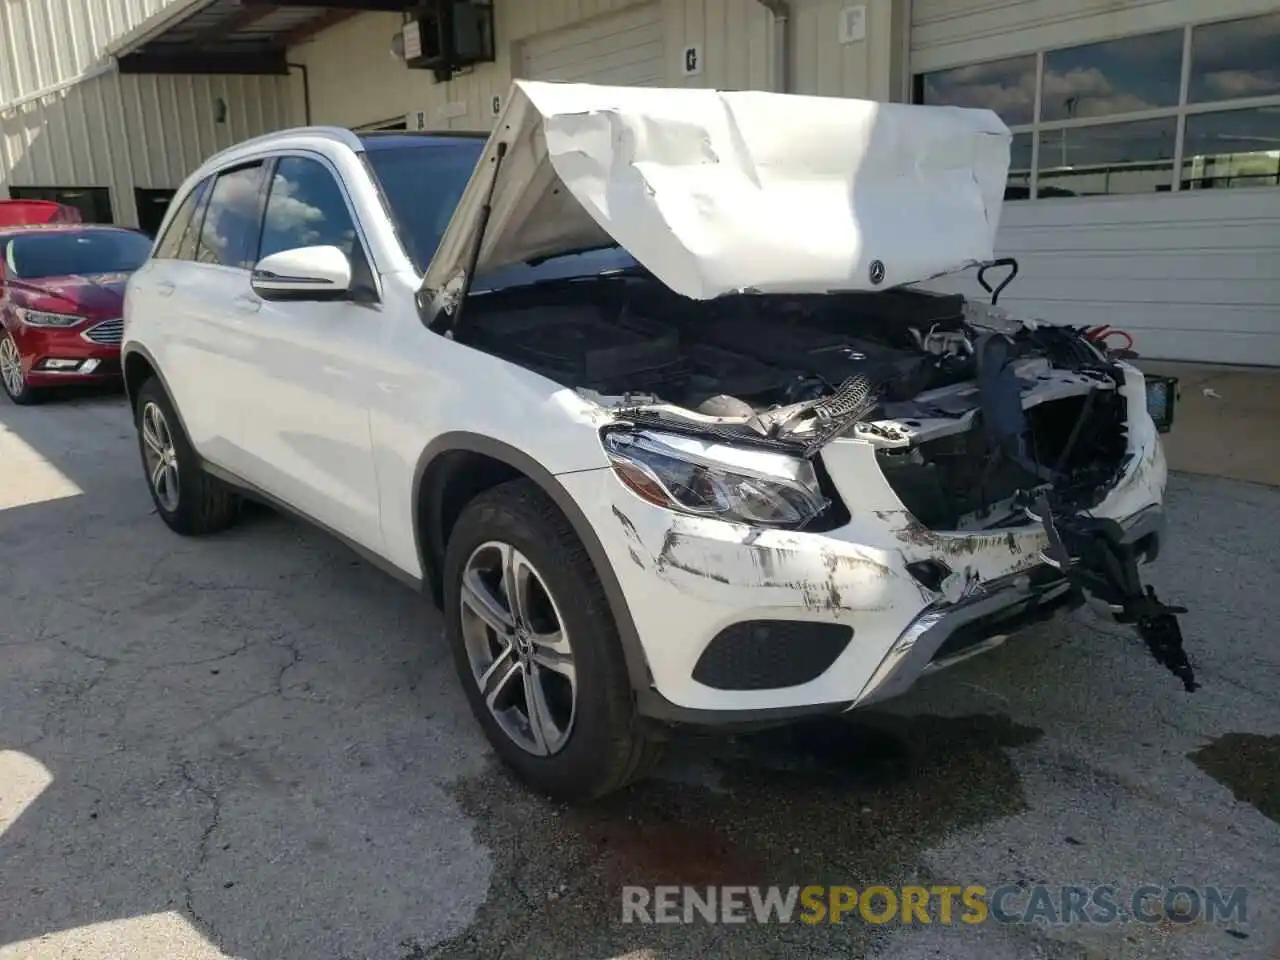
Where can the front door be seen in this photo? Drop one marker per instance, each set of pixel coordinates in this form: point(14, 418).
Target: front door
point(306, 433)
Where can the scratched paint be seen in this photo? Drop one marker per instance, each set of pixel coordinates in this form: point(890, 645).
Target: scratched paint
point(821, 579)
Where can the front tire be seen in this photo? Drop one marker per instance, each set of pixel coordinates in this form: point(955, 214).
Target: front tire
point(189, 500)
point(11, 375)
point(537, 649)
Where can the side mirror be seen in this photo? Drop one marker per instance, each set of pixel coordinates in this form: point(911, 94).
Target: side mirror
point(304, 273)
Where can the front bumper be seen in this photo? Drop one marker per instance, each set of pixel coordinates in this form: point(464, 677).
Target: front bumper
point(742, 624)
point(39, 346)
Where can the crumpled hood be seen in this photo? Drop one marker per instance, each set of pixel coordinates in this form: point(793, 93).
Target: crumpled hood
point(745, 191)
point(94, 295)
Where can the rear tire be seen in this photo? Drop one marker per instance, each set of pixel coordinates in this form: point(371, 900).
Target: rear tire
point(594, 743)
point(189, 500)
point(11, 375)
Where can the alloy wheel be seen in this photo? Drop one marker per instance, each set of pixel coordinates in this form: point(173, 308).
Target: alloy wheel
point(11, 367)
point(161, 456)
point(519, 650)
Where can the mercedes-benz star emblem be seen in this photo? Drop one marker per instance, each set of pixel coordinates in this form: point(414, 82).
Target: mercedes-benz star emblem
point(877, 271)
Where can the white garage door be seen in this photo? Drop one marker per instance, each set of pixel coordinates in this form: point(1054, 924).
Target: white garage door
point(1186, 260)
point(625, 49)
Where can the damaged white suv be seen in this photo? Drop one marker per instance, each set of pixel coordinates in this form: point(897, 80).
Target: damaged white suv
point(637, 388)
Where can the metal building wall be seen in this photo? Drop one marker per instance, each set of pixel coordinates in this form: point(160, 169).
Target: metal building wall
point(356, 81)
point(67, 119)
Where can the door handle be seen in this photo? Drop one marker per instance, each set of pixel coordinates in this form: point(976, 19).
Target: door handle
point(247, 304)
point(164, 288)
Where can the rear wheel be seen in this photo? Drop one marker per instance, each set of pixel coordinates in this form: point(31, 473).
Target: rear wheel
point(187, 498)
point(537, 649)
point(11, 375)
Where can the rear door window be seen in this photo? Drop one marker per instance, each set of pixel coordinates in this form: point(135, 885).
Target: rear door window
point(229, 231)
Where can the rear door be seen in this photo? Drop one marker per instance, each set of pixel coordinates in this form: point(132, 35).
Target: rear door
point(310, 364)
point(204, 287)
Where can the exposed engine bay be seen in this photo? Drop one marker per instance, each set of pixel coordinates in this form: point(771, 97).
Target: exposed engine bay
point(935, 382)
point(978, 421)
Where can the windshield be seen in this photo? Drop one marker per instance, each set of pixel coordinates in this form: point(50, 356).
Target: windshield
point(76, 252)
point(423, 180)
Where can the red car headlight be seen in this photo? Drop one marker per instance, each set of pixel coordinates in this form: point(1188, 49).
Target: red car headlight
point(39, 318)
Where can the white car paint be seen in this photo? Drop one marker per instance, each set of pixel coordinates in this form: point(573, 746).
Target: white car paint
point(329, 408)
point(719, 191)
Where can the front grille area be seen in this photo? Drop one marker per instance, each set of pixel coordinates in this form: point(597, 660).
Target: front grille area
point(770, 654)
point(944, 480)
point(108, 333)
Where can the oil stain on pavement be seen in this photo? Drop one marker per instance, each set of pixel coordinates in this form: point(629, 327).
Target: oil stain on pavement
point(827, 802)
point(1248, 764)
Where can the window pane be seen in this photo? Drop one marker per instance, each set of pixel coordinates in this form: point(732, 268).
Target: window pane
point(231, 222)
point(306, 209)
point(1006, 86)
point(1019, 186)
point(94, 203)
point(1236, 148)
point(1239, 58)
point(1135, 157)
point(1118, 76)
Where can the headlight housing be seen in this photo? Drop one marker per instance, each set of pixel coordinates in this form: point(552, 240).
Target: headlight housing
point(39, 318)
point(707, 479)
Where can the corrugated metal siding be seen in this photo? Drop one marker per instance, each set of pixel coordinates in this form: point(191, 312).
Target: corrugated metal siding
point(946, 33)
point(356, 81)
point(46, 42)
point(111, 131)
point(624, 48)
point(1193, 276)
point(826, 67)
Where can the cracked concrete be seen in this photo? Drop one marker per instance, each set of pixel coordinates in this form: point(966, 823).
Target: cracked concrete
point(253, 745)
point(244, 741)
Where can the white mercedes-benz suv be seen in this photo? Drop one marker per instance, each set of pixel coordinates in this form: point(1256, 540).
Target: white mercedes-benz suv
point(640, 388)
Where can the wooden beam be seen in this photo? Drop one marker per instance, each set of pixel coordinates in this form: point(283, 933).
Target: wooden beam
point(267, 62)
point(308, 30)
point(245, 17)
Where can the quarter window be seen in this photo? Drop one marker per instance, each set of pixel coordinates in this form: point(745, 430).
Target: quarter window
point(1112, 117)
point(306, 208)
point(231, 221)
point(179, 239)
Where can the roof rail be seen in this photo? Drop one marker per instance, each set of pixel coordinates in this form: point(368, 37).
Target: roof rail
point(337, 134)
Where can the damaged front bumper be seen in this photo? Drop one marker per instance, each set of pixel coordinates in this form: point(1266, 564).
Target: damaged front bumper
point(741, 624)
point(737, 624)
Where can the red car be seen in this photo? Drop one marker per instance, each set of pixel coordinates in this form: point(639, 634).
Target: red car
point(15, 213)
point(61, 297)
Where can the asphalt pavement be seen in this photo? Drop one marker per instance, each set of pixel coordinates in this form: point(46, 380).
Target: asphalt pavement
point(254, 746)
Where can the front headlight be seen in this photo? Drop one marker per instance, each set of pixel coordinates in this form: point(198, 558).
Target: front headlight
point(38, 318)
point(714, 480)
